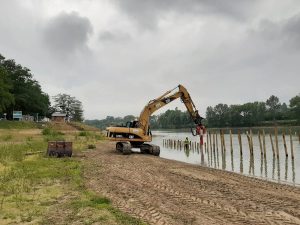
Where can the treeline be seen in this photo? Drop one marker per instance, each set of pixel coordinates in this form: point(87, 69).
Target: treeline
point(267, 113)
point(171, 119)
point(271, 112)
point(110, 120)
point(19, 91)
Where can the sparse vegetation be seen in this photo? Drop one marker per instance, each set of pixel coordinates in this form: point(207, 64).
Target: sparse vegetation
point(6, 124)
point(36, 189)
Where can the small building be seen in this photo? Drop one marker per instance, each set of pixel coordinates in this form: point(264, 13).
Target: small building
point(59, 117)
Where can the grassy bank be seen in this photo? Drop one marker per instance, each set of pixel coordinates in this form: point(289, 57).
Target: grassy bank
point(40, 190)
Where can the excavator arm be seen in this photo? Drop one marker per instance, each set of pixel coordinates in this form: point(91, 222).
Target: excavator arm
point(165, 99)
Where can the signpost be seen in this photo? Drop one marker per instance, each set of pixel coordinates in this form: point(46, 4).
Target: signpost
point(17, 115)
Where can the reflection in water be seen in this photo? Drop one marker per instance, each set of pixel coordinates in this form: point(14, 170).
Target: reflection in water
point(232, 165)
point(273, 168)
point(218, 155)
point(278, 169)
point(241, 164)
point(251, 165)
point(286, 168)
point(208, 160)
point(186, 151)
point(211, 156)
point(293, 170)
point(266, 165)
point(215, 163)
point(224, 160)
point(261, 165)
point(202, 156)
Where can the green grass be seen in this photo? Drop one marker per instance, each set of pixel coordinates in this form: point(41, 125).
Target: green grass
point(11, 152)
point(5, 124)
point(42, 190)
point(96, 203)
point(52, 134)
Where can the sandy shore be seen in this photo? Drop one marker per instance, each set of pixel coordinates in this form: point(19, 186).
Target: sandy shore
point(161, 191)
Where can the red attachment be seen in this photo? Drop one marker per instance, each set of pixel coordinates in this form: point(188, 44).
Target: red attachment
point(201, 130)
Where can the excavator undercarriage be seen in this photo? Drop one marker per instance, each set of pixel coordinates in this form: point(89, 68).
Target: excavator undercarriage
point(125, 148)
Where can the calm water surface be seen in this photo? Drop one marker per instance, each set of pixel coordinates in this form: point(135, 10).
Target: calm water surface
point(282, 170)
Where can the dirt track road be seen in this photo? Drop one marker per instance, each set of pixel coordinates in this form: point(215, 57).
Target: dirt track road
point(161, 191)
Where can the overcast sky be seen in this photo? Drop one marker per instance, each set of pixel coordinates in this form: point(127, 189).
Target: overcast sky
point(116, 55)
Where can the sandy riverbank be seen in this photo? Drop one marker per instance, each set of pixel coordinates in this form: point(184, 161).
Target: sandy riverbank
point(161, 191)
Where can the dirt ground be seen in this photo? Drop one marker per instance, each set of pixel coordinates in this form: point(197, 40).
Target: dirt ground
point(161, 191)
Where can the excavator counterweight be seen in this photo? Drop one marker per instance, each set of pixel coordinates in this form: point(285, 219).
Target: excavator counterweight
point(135, 133)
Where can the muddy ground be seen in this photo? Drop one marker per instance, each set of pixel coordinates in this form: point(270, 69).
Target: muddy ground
point(161, 191)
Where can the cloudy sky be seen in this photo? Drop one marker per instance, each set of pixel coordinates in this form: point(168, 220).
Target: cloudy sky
point(116, 55)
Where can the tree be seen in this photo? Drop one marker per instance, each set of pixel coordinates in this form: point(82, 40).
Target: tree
point(70, 105)
point(273, 105)
point(295, 106)
point(6, 98)
point(25, 93)
point(211, 117)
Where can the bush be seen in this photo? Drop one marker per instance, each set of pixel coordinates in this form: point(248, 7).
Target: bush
point(84, 133)
point(91, 146)
point(46, 131)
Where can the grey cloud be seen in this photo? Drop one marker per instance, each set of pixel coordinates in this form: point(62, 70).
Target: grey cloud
point(114, 36)
point(286, 32)
point(291, 29)
point(67, 32)
point(147, 13)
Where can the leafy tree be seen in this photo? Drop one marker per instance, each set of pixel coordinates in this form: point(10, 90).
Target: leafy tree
point(6, 98)
point(222, 114)
point(70, 105)
point(273, 105)
point(235, 115)
point(211, 116)
point(25, 93)
point(295, 106)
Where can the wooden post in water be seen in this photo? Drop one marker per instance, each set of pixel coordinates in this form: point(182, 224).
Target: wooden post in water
point(251, 139)
point(284, 144)
point(260, 143)
point(264, 142)
point(210, 142)
point(271, 140)
point(214, 140)
point(249, 142)
point(291, 143)
point(223, 139)
point(217, 141)
point(276, 142)
point(231, 146)
point(240, 142)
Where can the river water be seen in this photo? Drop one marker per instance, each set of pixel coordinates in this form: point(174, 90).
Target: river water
point(282, 170)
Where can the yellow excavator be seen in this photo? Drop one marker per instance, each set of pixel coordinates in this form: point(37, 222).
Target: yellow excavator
point(136, 134)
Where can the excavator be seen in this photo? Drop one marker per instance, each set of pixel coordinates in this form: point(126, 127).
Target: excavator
point(137, 134)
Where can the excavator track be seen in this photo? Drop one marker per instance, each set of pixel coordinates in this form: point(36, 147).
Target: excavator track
point(124, 147)
point(150, 149)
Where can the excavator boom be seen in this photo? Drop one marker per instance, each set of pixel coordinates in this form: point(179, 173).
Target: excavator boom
point(136, 133)
point(165, 99)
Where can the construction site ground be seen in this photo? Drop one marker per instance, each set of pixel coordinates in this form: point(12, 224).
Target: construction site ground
point(161, 191)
